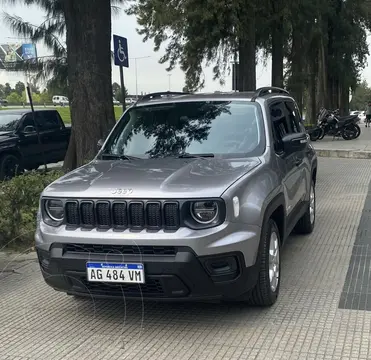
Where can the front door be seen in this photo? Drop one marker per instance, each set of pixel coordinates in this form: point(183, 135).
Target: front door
point(29, 142)
point(288, 165)
point(301, 156)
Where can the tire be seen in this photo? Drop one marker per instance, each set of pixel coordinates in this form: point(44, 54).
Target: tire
point(322, 134)
point(10, 167)
point(316, 134)
point(354, 129)
point(306, 224)
point(358, 130)
point(263, 294)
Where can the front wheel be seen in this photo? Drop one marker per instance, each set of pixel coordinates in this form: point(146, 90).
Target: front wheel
point(323, 133)
point(351, 132)
point(265, 292)
point(316, 134)
point(9, 167)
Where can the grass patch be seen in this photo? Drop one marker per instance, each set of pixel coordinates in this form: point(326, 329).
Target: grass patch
point(66, 114)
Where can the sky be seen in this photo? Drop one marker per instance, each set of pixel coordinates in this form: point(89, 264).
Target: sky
point(151, 76)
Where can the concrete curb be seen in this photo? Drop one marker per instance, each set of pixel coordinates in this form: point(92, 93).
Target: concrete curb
point(349, 154)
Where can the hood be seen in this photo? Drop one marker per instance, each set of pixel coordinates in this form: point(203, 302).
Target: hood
point(6, 133)
point(7, 136)
point(152, 178)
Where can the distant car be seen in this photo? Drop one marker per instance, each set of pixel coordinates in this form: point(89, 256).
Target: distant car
point(130, 100)
point(60, 100)
point(361, 114)
point(3, 102)
point(116, 102)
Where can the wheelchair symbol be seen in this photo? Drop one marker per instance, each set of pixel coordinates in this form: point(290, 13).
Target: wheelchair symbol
point(121, 53)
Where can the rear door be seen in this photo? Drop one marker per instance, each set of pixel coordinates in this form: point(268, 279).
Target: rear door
point(51, 134)
point(288, 164)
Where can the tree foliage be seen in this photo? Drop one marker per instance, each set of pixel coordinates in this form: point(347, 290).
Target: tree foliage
point(361, 96)
point(196, 33)
point(318, 47)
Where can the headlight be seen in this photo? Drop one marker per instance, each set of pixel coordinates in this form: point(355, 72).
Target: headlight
point(204, 212)
point(54, 210)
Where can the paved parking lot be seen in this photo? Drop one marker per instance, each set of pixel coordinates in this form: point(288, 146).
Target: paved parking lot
point(322, 312)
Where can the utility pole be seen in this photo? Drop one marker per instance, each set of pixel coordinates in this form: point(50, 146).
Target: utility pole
point(136, 72)
point(169, 75)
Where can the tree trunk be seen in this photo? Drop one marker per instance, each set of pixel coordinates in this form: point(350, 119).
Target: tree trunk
point(88, 24)
point(322, 98)
point(312, 108)
point(277, 45)
point(297, 78)
point(247, 58)
point(343, 100)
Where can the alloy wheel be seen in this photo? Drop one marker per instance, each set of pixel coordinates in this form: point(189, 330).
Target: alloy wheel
point(274, 261)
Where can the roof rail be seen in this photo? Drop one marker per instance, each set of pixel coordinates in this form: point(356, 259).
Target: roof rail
point(158, 95)
point(269, 90)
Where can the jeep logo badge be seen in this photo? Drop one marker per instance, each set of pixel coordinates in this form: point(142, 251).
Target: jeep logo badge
point(122, 191)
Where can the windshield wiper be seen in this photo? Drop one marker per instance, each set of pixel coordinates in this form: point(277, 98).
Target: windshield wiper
point(119, 157)
point(187, 155)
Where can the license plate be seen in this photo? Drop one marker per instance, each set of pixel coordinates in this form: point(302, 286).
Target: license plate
point(115, 273)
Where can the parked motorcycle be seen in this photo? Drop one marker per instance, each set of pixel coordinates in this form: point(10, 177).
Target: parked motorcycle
point(330, 123)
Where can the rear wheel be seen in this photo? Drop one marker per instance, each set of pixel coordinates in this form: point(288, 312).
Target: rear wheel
point(306, 224)
point(358, 130)
point(266, 290)
point(10, 166)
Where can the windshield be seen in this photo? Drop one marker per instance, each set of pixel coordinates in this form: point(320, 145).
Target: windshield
point(9, 122)
point(224, 128)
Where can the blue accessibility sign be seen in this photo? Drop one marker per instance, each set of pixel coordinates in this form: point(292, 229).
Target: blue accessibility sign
point(120, 45)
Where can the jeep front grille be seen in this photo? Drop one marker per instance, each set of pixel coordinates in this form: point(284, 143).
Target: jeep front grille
point(121, 215)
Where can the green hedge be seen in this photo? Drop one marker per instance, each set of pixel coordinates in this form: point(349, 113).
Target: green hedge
point(19, 201)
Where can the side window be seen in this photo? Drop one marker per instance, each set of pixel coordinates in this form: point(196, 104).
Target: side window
point(279, 124)
point(47, 120)
point(293, 117)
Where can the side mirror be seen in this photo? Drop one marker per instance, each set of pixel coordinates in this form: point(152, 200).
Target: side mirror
point(100, 144)
point(294, 142)
point(29, 129)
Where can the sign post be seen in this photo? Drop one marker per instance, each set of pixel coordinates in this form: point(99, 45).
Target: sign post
point(121, 54)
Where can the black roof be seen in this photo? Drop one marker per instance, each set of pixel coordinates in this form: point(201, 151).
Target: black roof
point(21, 111)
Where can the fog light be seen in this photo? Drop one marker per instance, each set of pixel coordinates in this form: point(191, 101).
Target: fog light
point(222, 266)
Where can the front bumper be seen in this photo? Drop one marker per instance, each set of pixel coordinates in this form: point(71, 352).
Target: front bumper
point(175, 273)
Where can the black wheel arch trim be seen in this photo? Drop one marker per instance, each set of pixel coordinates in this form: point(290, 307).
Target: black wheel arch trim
point(274, 204)
point(314, 171)
point(11, 151)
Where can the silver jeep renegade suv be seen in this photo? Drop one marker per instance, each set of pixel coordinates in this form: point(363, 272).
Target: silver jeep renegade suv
point(190, 197)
